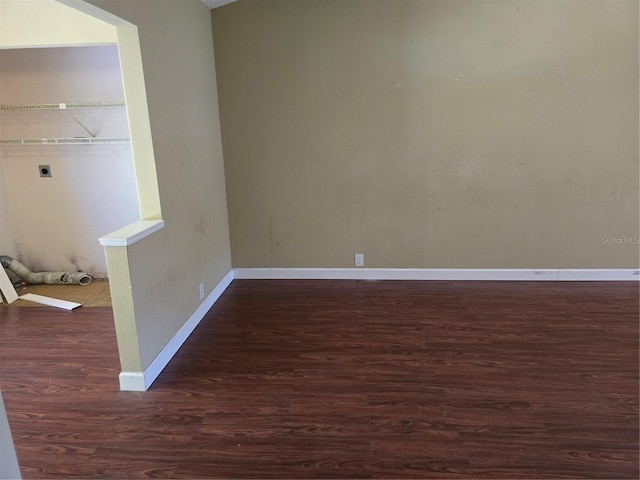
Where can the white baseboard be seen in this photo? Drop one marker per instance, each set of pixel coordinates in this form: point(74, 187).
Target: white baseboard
point(141, 381)
point(132, 382)
point(520, 274)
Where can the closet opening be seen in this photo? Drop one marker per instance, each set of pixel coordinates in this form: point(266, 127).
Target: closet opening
point(63, 112)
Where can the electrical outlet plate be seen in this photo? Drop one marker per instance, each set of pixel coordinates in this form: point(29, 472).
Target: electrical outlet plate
point(359, 259)
point(202, 291)
point(45, 170)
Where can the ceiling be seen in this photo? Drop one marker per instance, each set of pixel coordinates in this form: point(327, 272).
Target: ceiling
point(216, 3)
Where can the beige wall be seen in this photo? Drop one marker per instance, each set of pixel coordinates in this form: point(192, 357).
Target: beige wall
point(167, 268)
point(430, 134)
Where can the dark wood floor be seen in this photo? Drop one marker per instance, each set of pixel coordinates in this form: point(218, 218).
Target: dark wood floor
point(328, 379)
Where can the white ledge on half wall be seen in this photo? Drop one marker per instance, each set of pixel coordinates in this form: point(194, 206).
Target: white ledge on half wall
point(624, 274)
point(131, 233)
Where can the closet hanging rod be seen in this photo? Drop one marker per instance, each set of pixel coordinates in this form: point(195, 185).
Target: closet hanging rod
point(65, 141)
point(59, 106)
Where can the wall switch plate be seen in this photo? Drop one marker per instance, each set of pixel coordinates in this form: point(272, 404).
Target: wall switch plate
point(202, 291)
point(45, 170)
point(359, 260)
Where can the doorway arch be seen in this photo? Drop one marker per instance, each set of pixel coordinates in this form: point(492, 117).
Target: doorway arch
point(77, 23)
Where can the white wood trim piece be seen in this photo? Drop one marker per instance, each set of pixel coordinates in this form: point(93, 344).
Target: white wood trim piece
point(131, 233)
point(6, 287)
point(167, 353)
point(439, 274)
point(51, 302)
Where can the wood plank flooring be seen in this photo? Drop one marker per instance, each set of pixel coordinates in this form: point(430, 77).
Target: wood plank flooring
point(337, 379)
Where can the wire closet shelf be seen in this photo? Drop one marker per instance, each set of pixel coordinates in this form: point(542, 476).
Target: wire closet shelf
point(5, 107)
